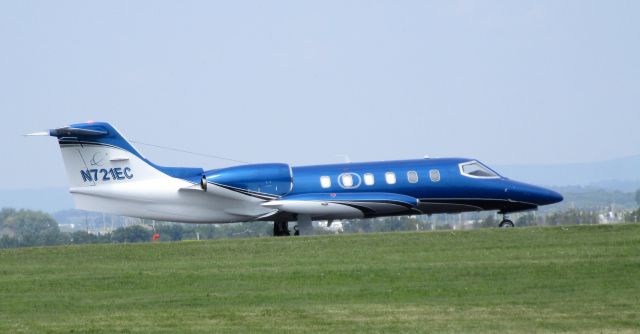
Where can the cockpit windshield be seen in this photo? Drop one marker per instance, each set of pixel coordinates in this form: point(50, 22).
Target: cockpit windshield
point(478, 170)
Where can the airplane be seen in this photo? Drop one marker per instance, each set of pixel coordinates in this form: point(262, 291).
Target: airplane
point(107, 174)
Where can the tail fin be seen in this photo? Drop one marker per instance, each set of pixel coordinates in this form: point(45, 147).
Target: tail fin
point(96, 154)
point(107, 174)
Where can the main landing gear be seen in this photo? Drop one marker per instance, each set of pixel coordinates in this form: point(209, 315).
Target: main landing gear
point(304, 227)
point(281, 228)
point(505, 223)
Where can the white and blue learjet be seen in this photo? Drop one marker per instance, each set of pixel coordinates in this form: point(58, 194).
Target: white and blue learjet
point(107, 174)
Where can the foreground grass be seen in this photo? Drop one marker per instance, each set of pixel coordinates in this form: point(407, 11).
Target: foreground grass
point(570, 279)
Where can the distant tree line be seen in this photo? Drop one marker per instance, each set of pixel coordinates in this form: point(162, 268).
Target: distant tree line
point(26, 228)
point(634, 216)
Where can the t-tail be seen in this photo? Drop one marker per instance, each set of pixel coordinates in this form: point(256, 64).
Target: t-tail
point(107, 174)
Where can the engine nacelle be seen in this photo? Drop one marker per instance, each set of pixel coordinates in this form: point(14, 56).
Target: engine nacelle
point(272, 179)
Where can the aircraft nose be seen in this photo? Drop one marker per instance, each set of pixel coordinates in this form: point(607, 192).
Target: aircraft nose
point(534, 194)
point(543, 196)
point(550, 197)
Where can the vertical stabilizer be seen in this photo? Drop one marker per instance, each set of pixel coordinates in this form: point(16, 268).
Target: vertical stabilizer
point(107, 174)
point(96, 154)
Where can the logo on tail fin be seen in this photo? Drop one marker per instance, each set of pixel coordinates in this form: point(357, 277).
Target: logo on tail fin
point(98, 158)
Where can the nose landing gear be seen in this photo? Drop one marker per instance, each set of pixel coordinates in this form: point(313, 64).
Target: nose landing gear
point(506, 222)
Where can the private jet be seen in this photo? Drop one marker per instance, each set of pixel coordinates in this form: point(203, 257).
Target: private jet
point(107, 174)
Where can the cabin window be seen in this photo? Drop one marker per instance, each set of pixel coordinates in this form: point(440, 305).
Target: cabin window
point(325, 181)
point(390, 177)
point(347, 180)
point(369, 179)
point(477, 170)
point(434, 175)
point(412, 176)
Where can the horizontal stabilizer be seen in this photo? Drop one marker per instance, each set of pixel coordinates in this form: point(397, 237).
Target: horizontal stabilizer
point(41, 133)
point(73, 132)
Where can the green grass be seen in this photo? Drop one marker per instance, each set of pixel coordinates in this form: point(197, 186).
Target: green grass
point(572, 279)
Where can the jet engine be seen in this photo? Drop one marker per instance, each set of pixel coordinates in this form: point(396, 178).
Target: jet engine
point(274, 179)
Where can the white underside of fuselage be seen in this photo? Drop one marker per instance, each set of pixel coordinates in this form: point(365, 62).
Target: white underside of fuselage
point(170, 201)
point(151, 194)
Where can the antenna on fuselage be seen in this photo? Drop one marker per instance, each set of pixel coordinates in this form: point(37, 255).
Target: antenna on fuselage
point(345, 157)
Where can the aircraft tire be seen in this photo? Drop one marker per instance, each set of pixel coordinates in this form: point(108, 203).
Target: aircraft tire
point(506, 224)
point(281, 229)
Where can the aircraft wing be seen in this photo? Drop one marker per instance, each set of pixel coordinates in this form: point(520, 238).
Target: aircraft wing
point(354, 205)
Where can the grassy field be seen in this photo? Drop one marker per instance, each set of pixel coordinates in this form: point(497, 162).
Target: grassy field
point(572, 279)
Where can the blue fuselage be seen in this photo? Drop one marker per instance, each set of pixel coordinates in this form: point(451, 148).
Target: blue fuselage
point(440, 186)
point(108, 174)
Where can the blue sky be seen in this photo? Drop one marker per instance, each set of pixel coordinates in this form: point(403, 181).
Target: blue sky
point(303, 82)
